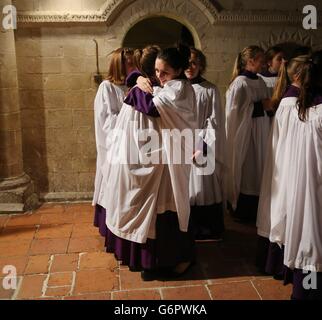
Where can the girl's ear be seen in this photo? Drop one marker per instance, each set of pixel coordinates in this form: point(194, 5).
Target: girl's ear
point(250, 61)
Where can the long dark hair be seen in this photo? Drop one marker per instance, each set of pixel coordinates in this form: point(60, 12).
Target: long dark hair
point(177, 58)
point(310, 79)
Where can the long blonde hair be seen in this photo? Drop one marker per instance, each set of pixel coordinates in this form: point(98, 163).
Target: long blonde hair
point(286, 76)
point(241, 61)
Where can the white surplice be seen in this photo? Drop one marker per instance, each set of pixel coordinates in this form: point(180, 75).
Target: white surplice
point(246, 137)
point(270, 83)
point(136, 191)
point(290, 210)
point(207, 189)
point(107, 105)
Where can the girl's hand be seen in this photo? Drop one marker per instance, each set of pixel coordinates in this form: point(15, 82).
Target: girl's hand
point(144, 84)
point(268, 105)
point(196, 154)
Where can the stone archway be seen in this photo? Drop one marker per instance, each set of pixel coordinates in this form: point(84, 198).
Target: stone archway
point(162, 31)
point(194, 15)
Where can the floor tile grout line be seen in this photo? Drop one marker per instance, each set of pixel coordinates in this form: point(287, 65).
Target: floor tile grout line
point(72, 287)
point(209, 292)
point(15, 294)
point(119, 275)
point(256, 289)
point(161, 293)
point(162, 287)
point(45, 286)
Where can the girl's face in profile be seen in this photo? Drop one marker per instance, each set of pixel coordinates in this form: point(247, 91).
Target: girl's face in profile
point(164, 72)
point(256, 64)
point(276, 62)
point(194, 67)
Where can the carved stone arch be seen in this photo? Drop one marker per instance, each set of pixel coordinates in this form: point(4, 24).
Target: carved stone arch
point(197, 18)
point(113, 8)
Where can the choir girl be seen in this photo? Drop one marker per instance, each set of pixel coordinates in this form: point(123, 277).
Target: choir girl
point(247, 127)
point(206, 189)
point(147, 204)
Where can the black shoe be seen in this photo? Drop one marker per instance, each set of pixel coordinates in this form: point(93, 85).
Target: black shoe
point(135, 269)
point(278, 277)
point(148, 275)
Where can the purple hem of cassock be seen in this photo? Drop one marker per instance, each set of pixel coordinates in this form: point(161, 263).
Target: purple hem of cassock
point(155, 253)
point(135, 255)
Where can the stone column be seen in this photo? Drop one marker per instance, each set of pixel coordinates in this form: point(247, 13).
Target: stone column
point(16, 188)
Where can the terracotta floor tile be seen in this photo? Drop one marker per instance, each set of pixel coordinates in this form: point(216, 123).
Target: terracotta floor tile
point(84, 230)
point(31, 286)
point(146, 294)
point(23, 220)
point(54, 231)
point(93, 296)
point(49, 246)
point(79, 208)
point(186, 293)
point(132, 280)
point(193, 276)
point(3, 219)
point(60, 279)
point(5, 294)
point(220, 271)
point(84, 217)
point(64, 262)
point(18, 233)
point(38, 264)
point(34, 241)
point(48, 298)
point(86, 244)
point(57, 292)
point(234, 291)
point(97, 260)
point(50, 208)
point(18, 262)
point(12, 249)
point(56, 218)
point(95, 281)
point(272, 289)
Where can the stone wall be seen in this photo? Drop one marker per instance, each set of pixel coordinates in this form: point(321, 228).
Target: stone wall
point(56, 64)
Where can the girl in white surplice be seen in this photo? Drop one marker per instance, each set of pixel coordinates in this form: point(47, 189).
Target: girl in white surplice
point(206, 193)
point(147, 204)
point(107, 105)
point(247, 127)
point(290, 207)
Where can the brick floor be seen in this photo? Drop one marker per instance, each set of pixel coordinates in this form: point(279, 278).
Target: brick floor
point(58, 254)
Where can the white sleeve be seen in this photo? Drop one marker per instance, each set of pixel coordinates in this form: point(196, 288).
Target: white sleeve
point(106, 109)
point(239, 109)
point(176, 104)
